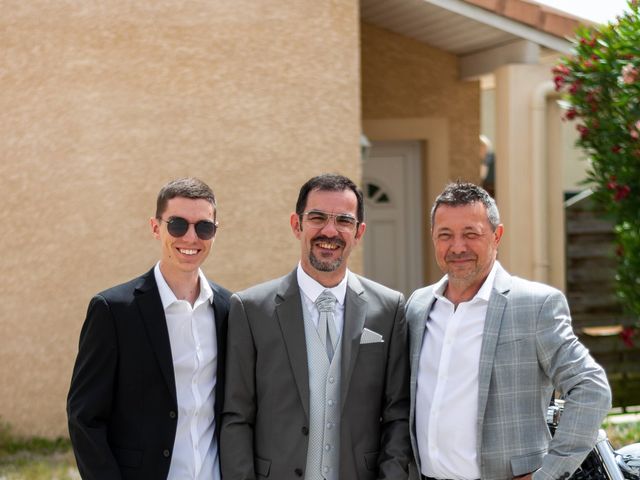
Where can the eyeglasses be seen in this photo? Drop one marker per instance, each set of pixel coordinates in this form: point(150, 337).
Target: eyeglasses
point(342, 221)
point(178, 227)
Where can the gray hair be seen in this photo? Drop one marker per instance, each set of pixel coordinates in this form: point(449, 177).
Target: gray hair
point(462, 193)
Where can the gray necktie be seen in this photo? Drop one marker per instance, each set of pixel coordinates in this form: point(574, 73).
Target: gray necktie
point(326, 303)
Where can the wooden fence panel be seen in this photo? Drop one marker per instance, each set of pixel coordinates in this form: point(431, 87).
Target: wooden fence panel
point(595, 308)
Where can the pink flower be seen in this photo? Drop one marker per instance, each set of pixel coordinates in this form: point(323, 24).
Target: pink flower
point(561, 70)
point(571, 114)
point(629, 73)
point(622, 192)
point(634, 134)
point(627, 335)
point(559, 82)
point(584, 131)
point(591, 42)
point(574, 87)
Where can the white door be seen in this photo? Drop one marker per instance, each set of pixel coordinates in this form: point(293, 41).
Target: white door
point(392, 189)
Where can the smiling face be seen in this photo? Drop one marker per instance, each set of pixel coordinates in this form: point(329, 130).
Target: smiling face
point(183, 255)
point(465, 244)
point(325, 250)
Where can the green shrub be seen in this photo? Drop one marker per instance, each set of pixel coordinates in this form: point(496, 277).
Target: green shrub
point(601, 85)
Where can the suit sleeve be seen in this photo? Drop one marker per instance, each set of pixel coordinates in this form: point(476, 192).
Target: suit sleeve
point(239, 411)
point(90, 396)
point(582, 382)
point(395, 446)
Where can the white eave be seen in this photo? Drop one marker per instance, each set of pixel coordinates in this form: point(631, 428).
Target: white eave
point(482, 39)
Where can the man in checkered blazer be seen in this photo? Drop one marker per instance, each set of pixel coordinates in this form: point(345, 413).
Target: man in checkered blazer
point(487, 350)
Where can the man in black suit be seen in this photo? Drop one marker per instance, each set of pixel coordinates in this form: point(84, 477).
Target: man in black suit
point(147, 386)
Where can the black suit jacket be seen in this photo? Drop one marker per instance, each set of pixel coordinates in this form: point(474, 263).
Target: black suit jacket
point(122, 405)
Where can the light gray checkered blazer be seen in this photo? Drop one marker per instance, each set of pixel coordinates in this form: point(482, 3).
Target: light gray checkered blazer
point(528, 349)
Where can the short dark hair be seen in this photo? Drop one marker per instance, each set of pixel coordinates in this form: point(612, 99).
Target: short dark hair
point(462, 193)
point(330, 182)
point(188, 187)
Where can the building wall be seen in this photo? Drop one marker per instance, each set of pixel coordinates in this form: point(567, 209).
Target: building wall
point(104, 102)
point(411, 91)
point(404, 78)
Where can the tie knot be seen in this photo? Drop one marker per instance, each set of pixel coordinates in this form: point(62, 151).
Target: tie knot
point(326, 302)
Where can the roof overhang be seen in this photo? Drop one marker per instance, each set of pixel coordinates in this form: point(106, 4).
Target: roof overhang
point(481, 38)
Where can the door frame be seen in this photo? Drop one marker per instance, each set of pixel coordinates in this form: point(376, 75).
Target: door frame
point(433, 133)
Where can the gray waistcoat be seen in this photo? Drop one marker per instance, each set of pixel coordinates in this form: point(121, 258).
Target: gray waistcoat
point(323, 451)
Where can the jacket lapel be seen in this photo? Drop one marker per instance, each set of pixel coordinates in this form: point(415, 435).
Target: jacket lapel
point(493, 321)
point(355, 312)
point(221, 313)
point(417, 314)
point(290, 318)
point(150, 305)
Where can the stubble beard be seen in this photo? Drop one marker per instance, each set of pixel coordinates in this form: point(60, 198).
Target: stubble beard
point(322, 266)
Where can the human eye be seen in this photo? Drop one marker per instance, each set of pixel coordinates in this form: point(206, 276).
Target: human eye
point(345, 220)
point(317, 217)
point(472, 235)
point(444, 236)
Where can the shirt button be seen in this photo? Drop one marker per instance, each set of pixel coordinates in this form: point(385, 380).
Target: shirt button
point(305, 430)
point(329, 425)
point(327, 447)
point(325, 469)
point(166, 453)
point(172, 414)
point(330, 403)
point(331, 379)
point(298, 472)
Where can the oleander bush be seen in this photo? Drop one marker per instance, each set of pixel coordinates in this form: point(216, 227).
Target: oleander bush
point(601, 86)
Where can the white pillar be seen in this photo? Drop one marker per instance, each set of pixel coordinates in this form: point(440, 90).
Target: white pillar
point(522, 182)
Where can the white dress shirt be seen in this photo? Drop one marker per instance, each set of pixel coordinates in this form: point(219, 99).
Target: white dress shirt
point(194, 348)
point(311, 290)
point(447, 385)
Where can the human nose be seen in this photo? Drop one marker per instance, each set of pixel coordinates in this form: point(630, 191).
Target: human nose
point(458, 244)
point(191, 234)
point(330, 227)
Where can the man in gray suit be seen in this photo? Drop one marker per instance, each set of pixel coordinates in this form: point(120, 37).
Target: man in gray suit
point(487, 350)
point(318, 367)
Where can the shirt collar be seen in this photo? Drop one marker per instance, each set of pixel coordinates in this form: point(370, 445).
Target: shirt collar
point(312, 289)
point(483, 294)
point(168, 297)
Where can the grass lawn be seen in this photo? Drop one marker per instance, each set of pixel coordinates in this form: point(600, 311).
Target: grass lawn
point(39, 466)
point(622, 429)
point(35, 458)
point(43, 459)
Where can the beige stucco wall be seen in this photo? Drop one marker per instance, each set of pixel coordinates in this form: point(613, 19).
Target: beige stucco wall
point(412, 91)
point(104, 102)
point(403, 78)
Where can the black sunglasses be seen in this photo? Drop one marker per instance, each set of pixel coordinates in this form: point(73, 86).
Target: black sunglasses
point(178, 227)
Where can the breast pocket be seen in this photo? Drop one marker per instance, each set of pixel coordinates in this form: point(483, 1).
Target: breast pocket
point(509, 348)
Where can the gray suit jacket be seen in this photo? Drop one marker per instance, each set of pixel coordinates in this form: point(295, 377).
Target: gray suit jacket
point(528, 349)
point(266, 411)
